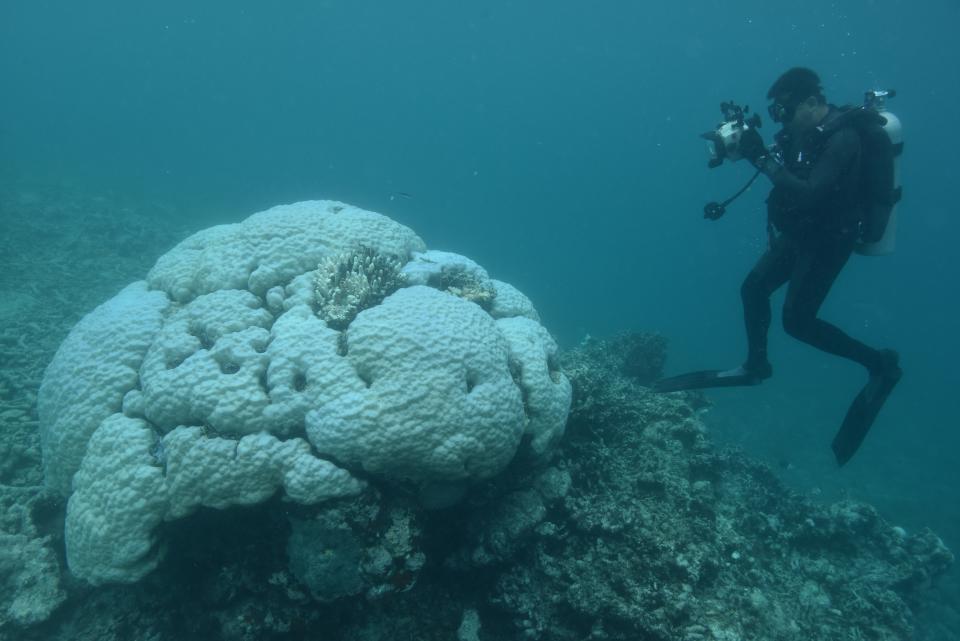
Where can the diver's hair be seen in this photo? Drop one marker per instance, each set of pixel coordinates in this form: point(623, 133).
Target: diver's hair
point(797, 84)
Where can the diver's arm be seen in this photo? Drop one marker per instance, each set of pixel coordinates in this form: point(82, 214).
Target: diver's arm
point(840, 151)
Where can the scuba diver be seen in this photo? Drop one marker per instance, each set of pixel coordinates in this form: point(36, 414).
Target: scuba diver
point(822, 207)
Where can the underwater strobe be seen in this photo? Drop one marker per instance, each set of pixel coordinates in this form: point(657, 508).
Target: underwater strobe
point(723, 143)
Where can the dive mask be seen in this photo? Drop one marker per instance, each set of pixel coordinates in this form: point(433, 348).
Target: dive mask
point(782, 112)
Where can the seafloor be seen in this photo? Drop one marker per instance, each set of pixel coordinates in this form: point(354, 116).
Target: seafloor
point(639, 527)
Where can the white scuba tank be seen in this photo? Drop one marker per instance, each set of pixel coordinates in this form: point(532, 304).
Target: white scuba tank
point(888, 241)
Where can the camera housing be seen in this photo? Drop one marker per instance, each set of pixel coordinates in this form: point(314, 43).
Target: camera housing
point(723, 143)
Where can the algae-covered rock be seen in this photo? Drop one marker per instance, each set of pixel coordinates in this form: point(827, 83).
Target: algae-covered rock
point(29, 580)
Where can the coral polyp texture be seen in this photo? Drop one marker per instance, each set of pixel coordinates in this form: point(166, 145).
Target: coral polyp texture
point(308, 346)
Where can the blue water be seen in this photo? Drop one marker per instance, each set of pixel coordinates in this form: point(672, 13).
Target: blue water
point(555, 143)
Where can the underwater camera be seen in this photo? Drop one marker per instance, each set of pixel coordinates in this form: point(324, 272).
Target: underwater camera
point(723, 143)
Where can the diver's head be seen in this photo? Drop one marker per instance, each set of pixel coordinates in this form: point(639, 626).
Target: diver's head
point(798, 100)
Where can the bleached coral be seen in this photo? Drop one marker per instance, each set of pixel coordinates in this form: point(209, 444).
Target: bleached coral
point(240, 368)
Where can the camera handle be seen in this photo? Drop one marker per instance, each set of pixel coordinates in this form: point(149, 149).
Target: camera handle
point(714, 210)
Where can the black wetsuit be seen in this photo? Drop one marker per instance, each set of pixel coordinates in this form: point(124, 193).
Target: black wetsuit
point(814, 216)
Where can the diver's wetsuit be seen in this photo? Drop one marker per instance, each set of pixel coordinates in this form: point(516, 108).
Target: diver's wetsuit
point(814, 211)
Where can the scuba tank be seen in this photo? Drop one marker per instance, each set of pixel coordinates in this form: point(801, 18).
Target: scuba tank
point(882, 145)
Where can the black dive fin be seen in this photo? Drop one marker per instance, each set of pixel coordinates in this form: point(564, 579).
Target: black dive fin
point(863, 412)
point(705, 378)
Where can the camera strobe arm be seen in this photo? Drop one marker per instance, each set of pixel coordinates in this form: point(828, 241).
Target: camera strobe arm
point(714, 210)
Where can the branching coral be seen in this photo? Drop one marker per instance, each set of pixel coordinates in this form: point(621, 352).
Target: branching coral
point(349, 282)
point(467, 286)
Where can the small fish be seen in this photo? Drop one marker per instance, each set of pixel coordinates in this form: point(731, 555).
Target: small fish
point(401, 195)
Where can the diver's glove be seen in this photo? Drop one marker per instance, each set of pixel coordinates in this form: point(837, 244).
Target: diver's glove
point(768, 161)
point(751, 146)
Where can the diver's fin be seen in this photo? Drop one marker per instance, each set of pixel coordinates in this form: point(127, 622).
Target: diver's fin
point(865, 407)
point(707, 378)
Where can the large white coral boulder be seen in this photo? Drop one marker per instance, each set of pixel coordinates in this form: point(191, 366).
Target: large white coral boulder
point(436, 399)
point(219, 380)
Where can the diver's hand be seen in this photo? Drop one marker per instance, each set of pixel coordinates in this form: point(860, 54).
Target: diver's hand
point(751, 145)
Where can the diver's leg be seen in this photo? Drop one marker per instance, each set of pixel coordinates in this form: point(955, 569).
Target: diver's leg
point(814, 273)
point(770, 272)
point(767, 276)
